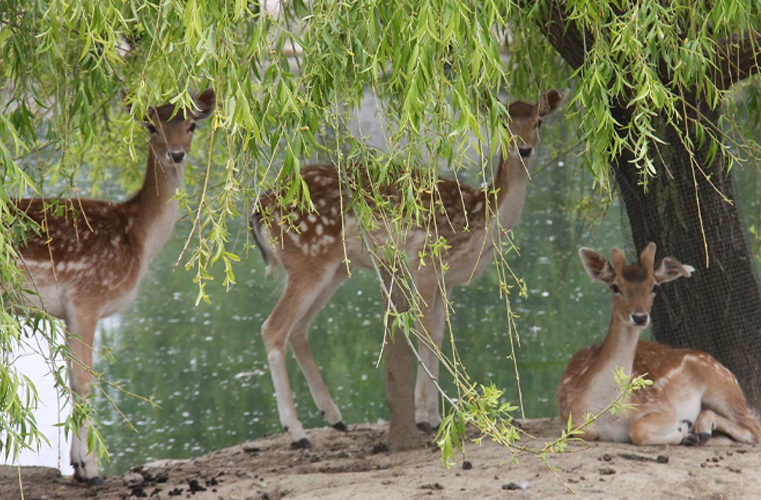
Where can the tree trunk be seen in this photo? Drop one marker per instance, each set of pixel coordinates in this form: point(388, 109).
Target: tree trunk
point(717, 310)
point(400, 379)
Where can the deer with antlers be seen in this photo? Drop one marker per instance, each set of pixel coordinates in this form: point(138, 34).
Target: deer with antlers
point(314, 260)
point(692, 395)
point(89, 255)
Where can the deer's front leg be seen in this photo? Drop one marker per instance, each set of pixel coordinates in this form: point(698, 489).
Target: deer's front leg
point(300, 345)
point(80, 326)
point(660, 427)
point(300, 294)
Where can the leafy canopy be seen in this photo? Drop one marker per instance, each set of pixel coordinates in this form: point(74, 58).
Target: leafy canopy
point(434, 66)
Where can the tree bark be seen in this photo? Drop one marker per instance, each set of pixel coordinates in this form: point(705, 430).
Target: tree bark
point(693, 216)
point(684, 211)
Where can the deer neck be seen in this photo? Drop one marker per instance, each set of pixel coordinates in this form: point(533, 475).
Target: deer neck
point(511, 182)
point(617, 350)
point(153, 210)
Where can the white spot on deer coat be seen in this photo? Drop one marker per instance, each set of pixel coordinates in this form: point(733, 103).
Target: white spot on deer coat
point(293, 237)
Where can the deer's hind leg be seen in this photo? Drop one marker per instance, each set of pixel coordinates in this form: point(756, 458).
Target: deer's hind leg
point(709, 421)
point(300, 345)
point(431, 336)
point(304, 287)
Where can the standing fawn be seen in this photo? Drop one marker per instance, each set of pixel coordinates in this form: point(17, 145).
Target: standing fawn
point(87, 260)
point(692, 394)
point(314, 260)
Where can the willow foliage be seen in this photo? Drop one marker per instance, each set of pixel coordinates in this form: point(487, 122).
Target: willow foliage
point(435, 67)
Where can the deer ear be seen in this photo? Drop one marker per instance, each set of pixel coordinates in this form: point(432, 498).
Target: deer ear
point(647, 257)
point(597, 266)
point(669, 269)
point(205, 103)
point(146, 120)
point(551, 101)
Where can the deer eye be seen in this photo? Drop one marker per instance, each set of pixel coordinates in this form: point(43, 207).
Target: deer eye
point(538, 124)
point(192, 128)
point(615, 289)
point(152, 129)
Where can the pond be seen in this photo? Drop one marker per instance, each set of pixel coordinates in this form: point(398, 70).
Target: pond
point(206, 367)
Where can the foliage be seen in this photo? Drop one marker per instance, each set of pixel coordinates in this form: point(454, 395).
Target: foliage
point(492, 418)
point(662, 61)
point(434, 66)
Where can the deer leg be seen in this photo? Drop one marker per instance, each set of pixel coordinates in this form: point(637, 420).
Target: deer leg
point(590, 434)
point(431, 329)
point(439, 327)
point(300, 293)
point(709, 421)
point(662, 427)
point(80, 332)
point(300, 345)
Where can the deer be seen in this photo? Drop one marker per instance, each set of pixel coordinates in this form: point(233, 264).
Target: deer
point(314, 259)
point(86, 260)
point(692, 395)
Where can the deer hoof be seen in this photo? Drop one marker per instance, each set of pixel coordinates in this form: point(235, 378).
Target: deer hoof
point(704, 437)
point(425, 427)
point(691, 440)
point(96, 481)
point(301, 444)
point(340, 426)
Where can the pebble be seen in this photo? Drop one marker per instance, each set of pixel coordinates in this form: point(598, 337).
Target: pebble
point(434, 486)
point(515, 486)
point(132, 479)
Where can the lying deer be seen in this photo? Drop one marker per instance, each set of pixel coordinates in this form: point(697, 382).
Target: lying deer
point(314, 260)
point(88, 258)
point(692, 395)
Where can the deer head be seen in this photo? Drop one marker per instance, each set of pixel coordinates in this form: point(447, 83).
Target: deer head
point(526, 119)
point(633, 286)
point(172, 129)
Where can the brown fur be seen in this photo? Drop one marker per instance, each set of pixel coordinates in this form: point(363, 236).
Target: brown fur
point(89, 255)
point(692, 394)
point(313, 249)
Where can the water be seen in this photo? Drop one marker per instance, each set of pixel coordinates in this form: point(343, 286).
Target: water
point(207, 370)
point(50, 411)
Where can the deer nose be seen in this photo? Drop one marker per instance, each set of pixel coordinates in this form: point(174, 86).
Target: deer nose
point(640, 319)
point(177, 156)
point(525, 151)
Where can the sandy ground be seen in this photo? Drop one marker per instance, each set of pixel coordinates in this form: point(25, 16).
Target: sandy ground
point(355, 465)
